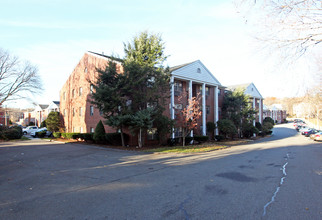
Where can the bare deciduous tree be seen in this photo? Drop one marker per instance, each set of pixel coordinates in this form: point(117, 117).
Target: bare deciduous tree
point(291, 25)
point(18, 79)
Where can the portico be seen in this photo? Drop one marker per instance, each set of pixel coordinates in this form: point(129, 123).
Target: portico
point(194, 78)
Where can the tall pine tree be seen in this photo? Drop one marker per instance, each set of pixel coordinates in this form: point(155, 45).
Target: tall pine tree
point(143, 85)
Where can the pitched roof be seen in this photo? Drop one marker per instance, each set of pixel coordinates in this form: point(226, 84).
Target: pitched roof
point(250, 89)
point(180, 66)
point(238, 86)
point(43, 106)
point(195, 71)
point(56, 102)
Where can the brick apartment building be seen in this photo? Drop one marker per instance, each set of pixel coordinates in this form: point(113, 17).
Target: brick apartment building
point(190, 79)
point(276, 112)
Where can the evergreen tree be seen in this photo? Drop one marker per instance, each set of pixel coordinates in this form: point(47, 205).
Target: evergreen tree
point(99, 133)
point(109, 97)
point(144, 84)
point(236, 108)
point(53, 121)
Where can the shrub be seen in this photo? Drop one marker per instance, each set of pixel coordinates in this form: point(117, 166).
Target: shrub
point(64, 135)
point(227, 127)
point(268, 119)
point(188, 139)
point(210, 127)
point(57, 134)
point(267, 128)
point(173, 141)
point(43, 123)
point(11, 133)
point(219, 137)
point(248, 130)
point(258, 125)
point(201, 138)
point(86, 136)
point(40, 134)
point(70, 135)
point(115, 138)
point(99, 134)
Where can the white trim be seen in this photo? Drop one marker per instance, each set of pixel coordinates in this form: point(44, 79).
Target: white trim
point(190, 97)
point(254, 107)
point(216, 113)
point(194, 80)
point(204, 109)
point(260, 111)
point(172, 102)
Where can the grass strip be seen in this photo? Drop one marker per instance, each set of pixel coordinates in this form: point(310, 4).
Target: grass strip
point(186, 149)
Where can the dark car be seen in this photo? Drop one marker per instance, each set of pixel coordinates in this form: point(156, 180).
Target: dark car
point(308, 133)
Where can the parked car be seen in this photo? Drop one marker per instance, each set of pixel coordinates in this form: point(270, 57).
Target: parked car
point(34, 132)
point(313, 131)
point(318, 136)
point(29, 129)
point(305, 130)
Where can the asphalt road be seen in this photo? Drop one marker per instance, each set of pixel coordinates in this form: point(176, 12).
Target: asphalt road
point(279, 177)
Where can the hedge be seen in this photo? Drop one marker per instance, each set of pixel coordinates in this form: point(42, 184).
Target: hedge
point(115, 138)
point(10, 133)
point(201, 138)
point(86, 136)
point(70, 135)
point(57, 134)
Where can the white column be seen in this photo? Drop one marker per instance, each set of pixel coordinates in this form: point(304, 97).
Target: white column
point(216, 113)
point(172, 102)
point(254, 108)
point(260, 111)
point(190, 97)
point(204, 109)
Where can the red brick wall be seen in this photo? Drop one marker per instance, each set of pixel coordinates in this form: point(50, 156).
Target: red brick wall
point(83, 72)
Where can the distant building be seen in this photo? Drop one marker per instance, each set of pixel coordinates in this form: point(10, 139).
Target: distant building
point(276, 112)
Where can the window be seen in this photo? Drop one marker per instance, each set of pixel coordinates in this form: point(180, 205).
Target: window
point(177, 88)
point(198, 70)
point(73, 93)
point(91, 110)
point(208, 109)
point(85, 70)
point(80, 111)
point(81, 129)
point(73, 112)
point(92, 130)
point(178, 132)
point(207, 91)
point(74, 129)
point(219, 91)
point(64, 112)
point(80, 91)
point(178, 106)
point(101, 113)
point(91, 88)
point(152, 134)
point(151, 81)
point(64, 95)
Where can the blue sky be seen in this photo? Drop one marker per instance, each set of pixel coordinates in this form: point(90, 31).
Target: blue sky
point(55, 34)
